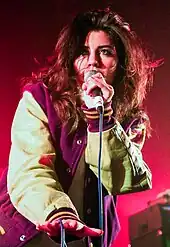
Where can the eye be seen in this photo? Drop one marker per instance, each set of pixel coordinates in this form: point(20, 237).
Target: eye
point(107, 52)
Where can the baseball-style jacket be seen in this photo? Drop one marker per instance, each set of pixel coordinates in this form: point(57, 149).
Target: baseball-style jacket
point(43, 162)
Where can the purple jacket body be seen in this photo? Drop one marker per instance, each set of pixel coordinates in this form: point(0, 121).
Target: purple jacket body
point(69, 149)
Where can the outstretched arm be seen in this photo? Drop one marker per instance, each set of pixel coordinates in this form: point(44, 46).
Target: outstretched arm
point(33, 185)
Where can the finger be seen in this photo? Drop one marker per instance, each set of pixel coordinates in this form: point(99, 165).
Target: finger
point(89, 86)
point(89, 80)
point(96, 80)
point(84, 231)
point(101, 82)
point(93, 232)
point(107, 93)
point(43, 228)
point(84, 87)
point(51, 228)
point(69, 224)
point(74, 227)
point(107, 89)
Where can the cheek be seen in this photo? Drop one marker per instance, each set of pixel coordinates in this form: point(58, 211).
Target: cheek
point(111, 71)
point(111, 66)
point(79, 65)
point(109, 62)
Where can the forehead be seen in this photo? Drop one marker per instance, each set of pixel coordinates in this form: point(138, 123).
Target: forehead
point(97, 38)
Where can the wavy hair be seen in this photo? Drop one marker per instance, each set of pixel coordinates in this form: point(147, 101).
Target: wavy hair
point(133, 75)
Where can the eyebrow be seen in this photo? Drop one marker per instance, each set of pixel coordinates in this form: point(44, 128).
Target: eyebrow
point(102, 46)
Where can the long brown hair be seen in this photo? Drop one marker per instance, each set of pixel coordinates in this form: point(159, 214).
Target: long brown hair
point(133, 76)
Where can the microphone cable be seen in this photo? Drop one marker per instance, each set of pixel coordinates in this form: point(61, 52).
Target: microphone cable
point(100, 193)
point(63, 235)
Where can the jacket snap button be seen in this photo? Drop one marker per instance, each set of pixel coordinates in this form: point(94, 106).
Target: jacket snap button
point(87, 181)
point(79, 142)
point(89, 210)
point(68, 170)
point(22, 238)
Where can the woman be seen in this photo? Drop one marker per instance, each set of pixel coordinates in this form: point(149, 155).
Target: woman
point(52, 175)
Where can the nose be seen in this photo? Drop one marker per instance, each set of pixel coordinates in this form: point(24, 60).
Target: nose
point(93, 59)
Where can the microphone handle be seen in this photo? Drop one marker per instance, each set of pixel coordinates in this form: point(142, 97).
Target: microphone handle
point(98, 100)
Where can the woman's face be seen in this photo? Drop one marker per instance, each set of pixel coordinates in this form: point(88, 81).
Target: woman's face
point(98, 53)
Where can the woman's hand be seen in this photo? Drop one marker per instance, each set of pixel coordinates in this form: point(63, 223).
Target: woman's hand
point(72, 227)
point(97, 80)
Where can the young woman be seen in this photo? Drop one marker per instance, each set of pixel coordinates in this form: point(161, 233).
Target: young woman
point(53, 165)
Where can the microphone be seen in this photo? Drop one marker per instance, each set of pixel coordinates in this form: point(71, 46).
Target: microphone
point(96, 92)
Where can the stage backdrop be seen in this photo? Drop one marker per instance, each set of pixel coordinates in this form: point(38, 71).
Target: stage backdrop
point(28, 31)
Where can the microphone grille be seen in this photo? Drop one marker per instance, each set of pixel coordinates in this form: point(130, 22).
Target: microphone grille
point(89, 74)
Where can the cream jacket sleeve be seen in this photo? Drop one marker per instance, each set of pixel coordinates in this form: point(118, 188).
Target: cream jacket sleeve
point(123, 169)
point(33, 185)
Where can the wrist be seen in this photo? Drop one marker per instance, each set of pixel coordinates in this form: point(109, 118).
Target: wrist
point(92, 117)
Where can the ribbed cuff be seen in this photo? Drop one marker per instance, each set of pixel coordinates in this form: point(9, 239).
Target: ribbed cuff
point(92, 117)
point(62, 213)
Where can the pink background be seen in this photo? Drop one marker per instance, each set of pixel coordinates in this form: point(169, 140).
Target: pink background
point(29, 30)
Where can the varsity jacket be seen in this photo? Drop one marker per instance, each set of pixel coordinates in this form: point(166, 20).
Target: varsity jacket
point(48, 170)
